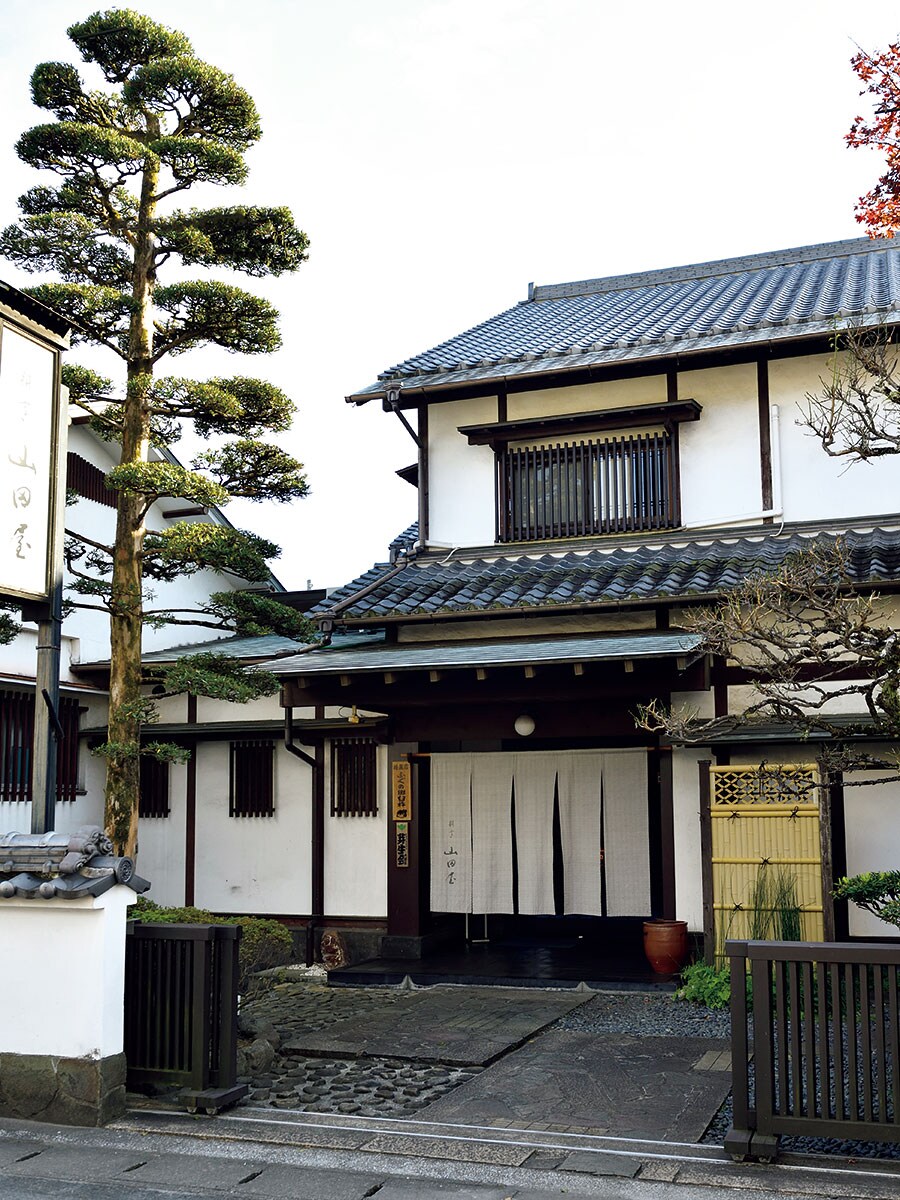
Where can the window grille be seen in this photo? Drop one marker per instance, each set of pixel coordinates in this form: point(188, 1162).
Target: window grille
point(354, 781)
point(89, 481)
point(252, 783)
point(579, 488)
point(154, 797)
point(17, 741)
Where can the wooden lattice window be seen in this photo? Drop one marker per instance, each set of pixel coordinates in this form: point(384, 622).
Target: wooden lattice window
point(354, 780)
point(580, 488)
point(154, 797)
point(89, 481)
point(17, 741)
point(252, 779)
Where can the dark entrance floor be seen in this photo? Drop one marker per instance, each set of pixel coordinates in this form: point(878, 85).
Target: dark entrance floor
point(515, 964)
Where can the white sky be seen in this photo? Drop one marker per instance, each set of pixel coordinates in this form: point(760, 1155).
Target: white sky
point(441, 154)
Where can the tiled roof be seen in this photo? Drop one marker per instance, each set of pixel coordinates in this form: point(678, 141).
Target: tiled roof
point(760, 298)
point(624, 574)
point(407, 656)
point(269, 646)
point(407, 539)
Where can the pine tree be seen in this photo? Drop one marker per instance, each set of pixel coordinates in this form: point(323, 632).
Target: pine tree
point(161, 122)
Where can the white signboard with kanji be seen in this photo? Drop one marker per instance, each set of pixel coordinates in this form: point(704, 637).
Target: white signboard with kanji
point(27, 428)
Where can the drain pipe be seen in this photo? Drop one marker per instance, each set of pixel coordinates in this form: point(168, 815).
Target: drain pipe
point(317, 829)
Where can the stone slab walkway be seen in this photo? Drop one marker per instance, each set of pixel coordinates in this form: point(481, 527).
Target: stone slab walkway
point(453, 1025)
point(636, 1087)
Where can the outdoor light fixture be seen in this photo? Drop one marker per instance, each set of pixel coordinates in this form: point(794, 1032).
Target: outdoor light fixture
point(524, 725)
point(354, 716)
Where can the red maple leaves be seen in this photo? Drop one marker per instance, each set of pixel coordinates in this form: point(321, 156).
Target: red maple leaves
point(879, 209)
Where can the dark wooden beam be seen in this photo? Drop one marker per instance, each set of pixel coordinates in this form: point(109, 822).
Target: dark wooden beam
point(765, 435)
point(423, 473)
point(498, 433)
point(706, 866)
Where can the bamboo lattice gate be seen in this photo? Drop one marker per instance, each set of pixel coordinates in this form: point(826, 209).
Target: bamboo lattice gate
point(773, 819)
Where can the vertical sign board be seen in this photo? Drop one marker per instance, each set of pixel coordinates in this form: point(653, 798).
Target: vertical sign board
point(401, 809)
point(28, 449)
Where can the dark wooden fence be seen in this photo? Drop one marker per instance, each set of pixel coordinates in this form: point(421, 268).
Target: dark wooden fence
point(823, 1029)
point(181, 1012)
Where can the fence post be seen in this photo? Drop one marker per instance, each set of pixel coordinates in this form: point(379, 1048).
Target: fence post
point(764, 1143)
point(743, 1118)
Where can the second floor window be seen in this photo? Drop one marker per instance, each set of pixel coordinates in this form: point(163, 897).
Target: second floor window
point(354, 778)
point(154, 796)
point(614, 485)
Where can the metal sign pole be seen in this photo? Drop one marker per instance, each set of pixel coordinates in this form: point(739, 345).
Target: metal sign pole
point(47, 727)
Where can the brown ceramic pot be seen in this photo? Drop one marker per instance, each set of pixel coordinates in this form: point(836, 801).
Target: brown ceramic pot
point(666, 945)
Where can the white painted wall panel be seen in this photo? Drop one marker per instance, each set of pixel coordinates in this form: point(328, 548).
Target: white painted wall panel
point(161, 844)
point(252, 864)
point(356, 854)
point(460, 476)
point(590, 397)
point(872, 816)
point(720, 472)
point(816, 487)
point(688, 861)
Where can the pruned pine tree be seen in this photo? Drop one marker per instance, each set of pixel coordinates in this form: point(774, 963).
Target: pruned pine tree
point(159, 122)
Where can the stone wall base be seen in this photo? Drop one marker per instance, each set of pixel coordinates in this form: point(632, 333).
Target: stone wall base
point(65, 1091)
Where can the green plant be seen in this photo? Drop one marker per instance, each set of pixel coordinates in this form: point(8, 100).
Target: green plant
point(264, 943)
point(775, 912)
point(703, 984)
point(877, 892)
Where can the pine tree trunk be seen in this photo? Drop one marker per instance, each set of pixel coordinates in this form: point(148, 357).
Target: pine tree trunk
point(123, 761)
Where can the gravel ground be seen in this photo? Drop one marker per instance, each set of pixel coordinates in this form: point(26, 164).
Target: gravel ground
point(648, 1015)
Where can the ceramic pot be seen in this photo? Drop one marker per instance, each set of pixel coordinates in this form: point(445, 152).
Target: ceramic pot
point(666, 945)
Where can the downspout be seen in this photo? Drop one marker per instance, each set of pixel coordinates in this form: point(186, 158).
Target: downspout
point(317, 830)
point(777, 509)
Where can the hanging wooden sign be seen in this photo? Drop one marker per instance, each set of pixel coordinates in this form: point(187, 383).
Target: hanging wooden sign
point(401, 791)
point(402, 843)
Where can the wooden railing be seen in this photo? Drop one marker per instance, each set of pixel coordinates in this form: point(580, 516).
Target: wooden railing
point(580, 488)
point(824, 1033)
point(181, 1012)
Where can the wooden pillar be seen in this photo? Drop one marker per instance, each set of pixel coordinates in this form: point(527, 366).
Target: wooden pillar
point(190, 818)
point(765, 435)
point(706, 866)
point(407, 898)
point(667, 833)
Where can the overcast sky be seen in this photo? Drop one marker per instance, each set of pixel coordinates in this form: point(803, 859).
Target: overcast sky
point(441, 154)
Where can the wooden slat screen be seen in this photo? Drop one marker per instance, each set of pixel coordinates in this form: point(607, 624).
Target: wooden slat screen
point(17, 740)
point(252, 784)
point(154, 797)
point(88, 481)
point(575, 489)
point(354, 782)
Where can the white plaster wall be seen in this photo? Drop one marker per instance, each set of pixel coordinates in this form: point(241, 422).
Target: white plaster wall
point(161, 843)
point(695, 704)
point(68, 957)
point(253, 864)
point(356, 854)
point(872, 819)
point(814, 486)
point(589, 397)
point(266, 708)
point(688, 860)
point(720, 468)
point(460, 476)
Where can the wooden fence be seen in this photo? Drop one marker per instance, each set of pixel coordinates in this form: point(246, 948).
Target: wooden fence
point(823, 1028)
point(181, 1012)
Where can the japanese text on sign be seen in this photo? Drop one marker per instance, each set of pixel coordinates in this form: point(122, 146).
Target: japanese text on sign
point(401, 791)
point(402, 844)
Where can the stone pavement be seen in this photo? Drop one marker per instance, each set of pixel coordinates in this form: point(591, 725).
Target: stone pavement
point(457, 1025)
point(647, 1087)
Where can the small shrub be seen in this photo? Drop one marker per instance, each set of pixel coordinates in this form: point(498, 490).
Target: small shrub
point(703, 984)
point(264, 943)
